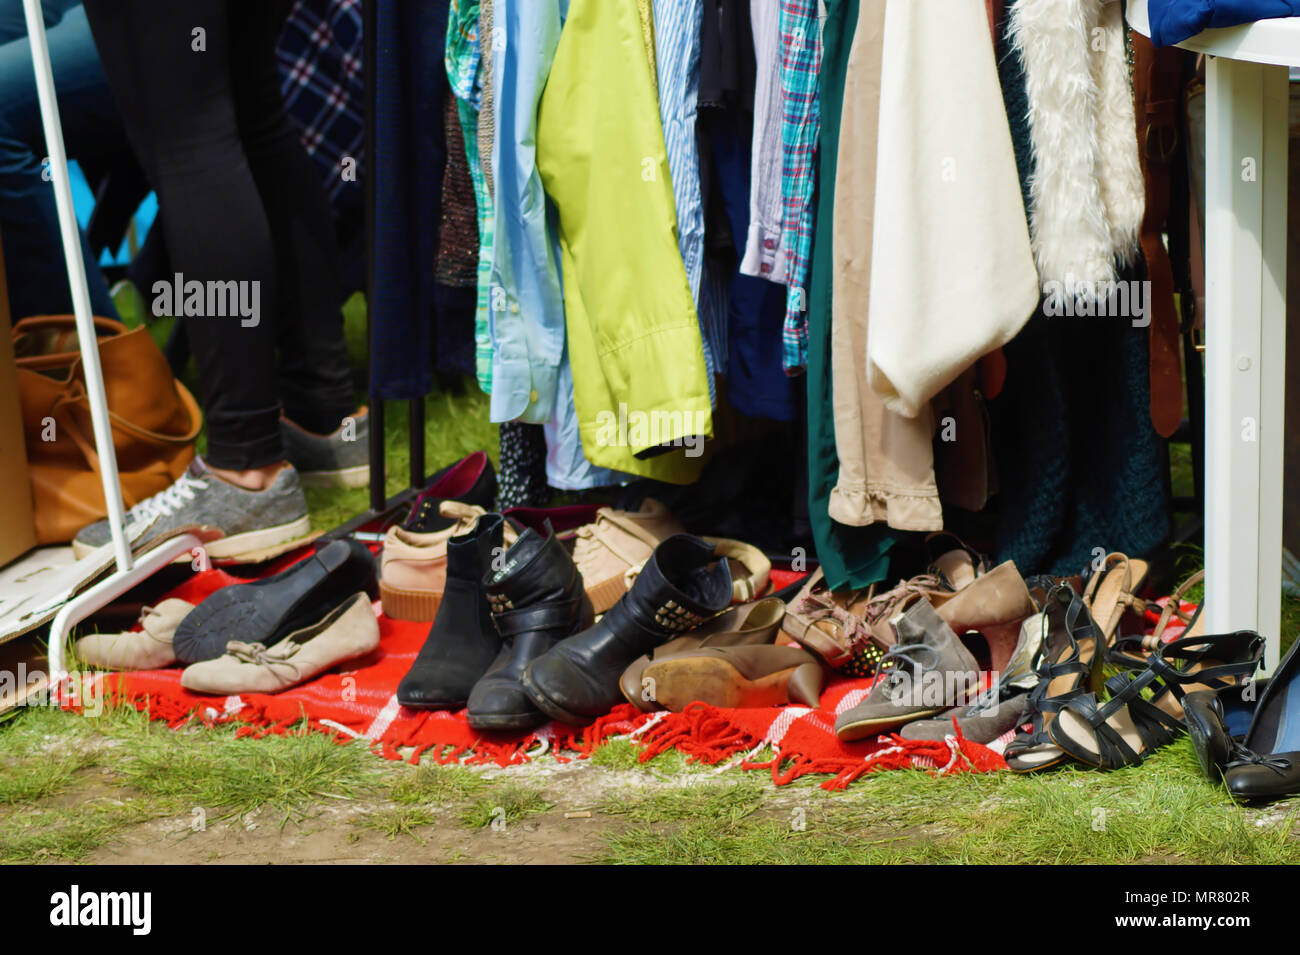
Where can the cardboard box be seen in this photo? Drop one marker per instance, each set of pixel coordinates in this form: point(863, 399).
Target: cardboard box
point(17, 527)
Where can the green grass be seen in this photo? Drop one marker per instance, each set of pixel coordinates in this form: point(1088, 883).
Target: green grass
point(1163, 811)
point(73, 785)
point(624, 754)
point(724, 804)
point(399, 821)
point(504, 804)
point(281, 774)
point(439, 785)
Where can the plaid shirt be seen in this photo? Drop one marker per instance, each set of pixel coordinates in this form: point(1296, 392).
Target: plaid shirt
point(319, 54)
point(801, 57)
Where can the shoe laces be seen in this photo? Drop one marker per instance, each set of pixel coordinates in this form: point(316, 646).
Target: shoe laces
point(907, 655)
point(879, 606)
point(819, 605)
point(145, 614)
point(165, 502)
point(269, 657)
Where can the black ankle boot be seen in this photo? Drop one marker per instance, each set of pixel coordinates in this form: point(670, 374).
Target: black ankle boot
point(676, 591)
point(462, 641)
point(537, 600)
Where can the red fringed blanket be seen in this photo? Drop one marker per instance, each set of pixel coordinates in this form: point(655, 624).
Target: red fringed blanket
point(361, 703)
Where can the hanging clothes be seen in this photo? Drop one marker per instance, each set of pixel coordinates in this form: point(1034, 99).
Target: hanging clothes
point(527, 302)
point(487, 112)
point(521, 478)
point(465, 71)
point(1062, 492)
point(886, 461)
point(677, 61)
point(764, 255)
point(640, 383)
point(756, 381)
point(757, 385)
point(407, 169)
point(456, 263)
point(952, 273)
point(1087, 194)
point(801, 54)
point(850, 556)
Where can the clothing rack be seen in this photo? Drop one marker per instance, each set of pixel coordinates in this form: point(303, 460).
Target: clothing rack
point(381, 506)
point(128, 572)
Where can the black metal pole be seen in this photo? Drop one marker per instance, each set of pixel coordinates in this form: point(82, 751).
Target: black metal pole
point(378, 475)
point(415, 440)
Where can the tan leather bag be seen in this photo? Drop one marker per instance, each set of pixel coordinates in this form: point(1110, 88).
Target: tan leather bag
point(154, 420)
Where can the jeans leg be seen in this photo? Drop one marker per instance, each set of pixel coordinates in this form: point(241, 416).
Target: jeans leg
point(29, 223)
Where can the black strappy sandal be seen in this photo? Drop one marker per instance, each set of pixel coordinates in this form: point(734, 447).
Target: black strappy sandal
point(1069, 668)
point(1129, 727)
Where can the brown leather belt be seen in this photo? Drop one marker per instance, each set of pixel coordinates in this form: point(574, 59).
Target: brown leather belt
point(1157, 83)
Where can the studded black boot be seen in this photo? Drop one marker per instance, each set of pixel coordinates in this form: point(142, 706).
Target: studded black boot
point(462, 642)
point(682, 585)
point(537, 600)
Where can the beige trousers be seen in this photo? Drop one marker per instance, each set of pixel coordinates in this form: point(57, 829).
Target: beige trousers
point(886, 460)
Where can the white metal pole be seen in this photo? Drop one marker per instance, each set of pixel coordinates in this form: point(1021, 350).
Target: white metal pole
point(77, 279)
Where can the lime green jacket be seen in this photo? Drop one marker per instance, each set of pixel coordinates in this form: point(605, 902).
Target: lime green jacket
point(633, 334)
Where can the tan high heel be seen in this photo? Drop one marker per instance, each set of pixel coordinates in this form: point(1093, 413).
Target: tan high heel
point(1112, 592)
point(994, 606)
point(748, 624)
point(735, 677)
point(1193, 623)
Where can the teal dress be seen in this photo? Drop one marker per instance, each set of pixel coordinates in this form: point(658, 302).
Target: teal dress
point(850, 556)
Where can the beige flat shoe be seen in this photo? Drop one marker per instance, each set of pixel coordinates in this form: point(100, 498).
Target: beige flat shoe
point(348, 632)
point(146, 649)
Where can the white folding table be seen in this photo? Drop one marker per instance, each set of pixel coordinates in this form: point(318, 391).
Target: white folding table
point(1245, 327)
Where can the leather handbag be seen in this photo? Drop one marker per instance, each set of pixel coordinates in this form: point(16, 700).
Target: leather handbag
point(154, 420)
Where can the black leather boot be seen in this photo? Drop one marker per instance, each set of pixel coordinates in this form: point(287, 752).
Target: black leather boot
point(537, 599)
point(682, 585)
point(462, 641)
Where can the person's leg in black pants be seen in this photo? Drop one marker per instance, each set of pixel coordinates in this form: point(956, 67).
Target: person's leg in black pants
point(178, 106)
point(314, 378)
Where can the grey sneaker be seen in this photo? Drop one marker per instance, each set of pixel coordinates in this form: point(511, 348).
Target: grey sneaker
point(338, 459)
point(254, 525)
point(931, 672)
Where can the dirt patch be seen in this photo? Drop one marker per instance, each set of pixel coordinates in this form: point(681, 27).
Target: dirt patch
point(343, 831)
